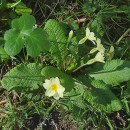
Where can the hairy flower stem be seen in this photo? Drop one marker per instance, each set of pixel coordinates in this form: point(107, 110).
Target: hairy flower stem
point(80, 67)
point(51, 107)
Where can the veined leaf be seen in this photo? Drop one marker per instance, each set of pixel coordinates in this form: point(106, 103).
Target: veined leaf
point(13, 42)
point(66, 80)
point(113, 72)
point(24, 24)
point(23, 76)
point(59, 41)
point(102, 98)
point(23, 33)
point(35, 42)
point(3, 54)
point(76, 94)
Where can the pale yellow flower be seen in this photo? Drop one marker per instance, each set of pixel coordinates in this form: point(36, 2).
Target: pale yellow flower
point(110, 54)
point(53, 88)
point(89, 35)
point(98, 48)
point(98, 58)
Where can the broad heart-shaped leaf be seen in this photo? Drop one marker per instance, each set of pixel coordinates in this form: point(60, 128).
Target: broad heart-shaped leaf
point(59, 41)
point(66, 80)
point(24, 24)
point(113, 72)
point(36, 42)
point(24, 33)
point(102, 98)
point(23, 76)
point(13, 42)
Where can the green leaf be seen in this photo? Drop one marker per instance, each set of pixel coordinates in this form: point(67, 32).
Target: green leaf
point(23, 76)
point(12, 5)
point(89, 7)
point(66, 80)
point(22, 9)
point(24, 24)
point(23, 34)
point(13, 42)
point(101, 97)
point(127, 90)
point(59, 41)
point(78, 113)
point(97, 27)
point(74, 101)
point(37, 42)
point(113, 72)
point(3, 54)
point(76, 94)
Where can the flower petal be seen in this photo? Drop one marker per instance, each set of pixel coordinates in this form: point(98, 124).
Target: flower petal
point(61, 90)
point(98, 41)
point(57, 81)
point(56, 96)
point(47, 84)
point(87, 32)
point(100, 47)
point(49, 92)
point(100, 57)
point(92, 37)
point(110, 54)
point(111, 49)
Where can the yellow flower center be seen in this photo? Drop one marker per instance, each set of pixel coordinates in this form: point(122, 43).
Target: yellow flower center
point(111, 54)
point(87, 37)
point(54, 87)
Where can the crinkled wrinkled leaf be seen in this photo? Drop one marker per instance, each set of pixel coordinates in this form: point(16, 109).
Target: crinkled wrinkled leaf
point(23, 76)
point(113, 72)
point(59, 41)
point(102, 98)
point(76, 94)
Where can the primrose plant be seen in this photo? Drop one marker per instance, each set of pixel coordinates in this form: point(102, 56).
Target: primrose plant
point(71, 78)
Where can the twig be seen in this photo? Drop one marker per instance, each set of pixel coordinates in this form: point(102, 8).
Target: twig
point(122, 36)
point(50, 13)
point(2, 102)
point(81, 20)
point(35, 6)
